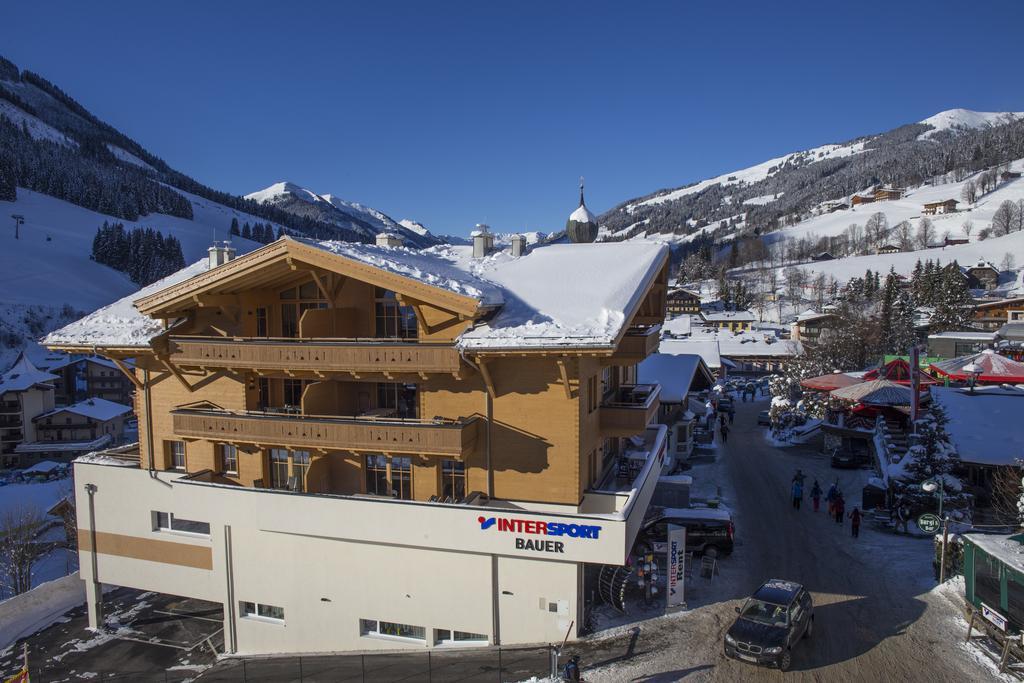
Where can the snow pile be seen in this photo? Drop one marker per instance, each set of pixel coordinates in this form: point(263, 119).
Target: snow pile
point(101, 458)
point(36, 609)
point(120, 324)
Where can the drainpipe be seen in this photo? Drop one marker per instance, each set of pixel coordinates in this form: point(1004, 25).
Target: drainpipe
point(148, 401)
point(95, 594)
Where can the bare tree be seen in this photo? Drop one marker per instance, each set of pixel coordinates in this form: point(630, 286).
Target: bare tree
point(795, 279)
point(970, 192)
point(967, 227)
point(1020, 215)
point(876, 229)
point(1005, 218)
point(19, 547)
point(925, 233)
point(904, 233)
point(1009, 262)
point(1006, 491)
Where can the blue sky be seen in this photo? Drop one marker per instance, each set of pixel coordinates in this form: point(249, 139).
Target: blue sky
point(454, 113)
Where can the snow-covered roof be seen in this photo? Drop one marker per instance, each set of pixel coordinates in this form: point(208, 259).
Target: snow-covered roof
point(63, 446)
point(120, 324)
point(756, 344)
point(96, 408)
point(582, 215)
point(435, 267)
point(730, 316)
point(44, 467)
point(813, 315)
point(679, 326)
point(707, 349)
point(992, 366)
point(876, 392)
point(675, 373)
point(983, 425)
point(1007, 548)
point(23, 375)
point(965, 334)
point(558, 295)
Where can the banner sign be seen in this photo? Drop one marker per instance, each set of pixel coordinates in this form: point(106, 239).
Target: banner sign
point(993, 617)
point(676, 549)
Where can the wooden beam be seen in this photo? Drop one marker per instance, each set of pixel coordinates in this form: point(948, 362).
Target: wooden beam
point(565, 377)
point(215, 300)
point(128, 372)
point(340, 281)
point(320, 285)
point(486, 374)
point(177, 375)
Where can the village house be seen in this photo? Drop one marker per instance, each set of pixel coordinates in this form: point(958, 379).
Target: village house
point(982, 275)
point(736, 321)
point(935, 208)
point(952, 344)
point(64, 433)
point(889, 193)
point(103, 379)
point(1009, 175)
point(823, 256)
point(809, 326)
point(25, 391)
point(991, 315)
point(861, 199)
point(682, 301)
point(888, 249)
point(380, 408)
point(953, 241)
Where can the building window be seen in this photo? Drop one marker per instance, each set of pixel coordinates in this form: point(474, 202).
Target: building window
point(987, 584)
point(300, 467)
point(592, 394)
point(261, 322)
point(453, 480)
point(372, 627)
point(293, 393)
point(398, 399)
point(296, 301)
point(278, 468)
point(175, 451)
point(263, 393)
point(443, 636)
point(389, 476)
point(166, 521)
point(393, 320)
point(260, 611)
point(228, 458)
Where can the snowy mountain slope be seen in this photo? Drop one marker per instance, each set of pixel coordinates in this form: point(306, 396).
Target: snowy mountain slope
point(365, 220)
point(965, 119)
point(785, 190)
point(47, 276)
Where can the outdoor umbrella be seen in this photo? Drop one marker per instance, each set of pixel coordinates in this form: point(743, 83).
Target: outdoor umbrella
point(876, 392)
point(995, 369)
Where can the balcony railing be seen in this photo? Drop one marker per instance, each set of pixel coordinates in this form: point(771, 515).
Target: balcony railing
point(637, 344)
point(320, 355)
point(630, 409)
point(452, 438)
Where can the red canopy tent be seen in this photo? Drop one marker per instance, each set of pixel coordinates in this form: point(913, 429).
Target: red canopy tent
point(995, 369)
point(836, 380)
point(898, 371)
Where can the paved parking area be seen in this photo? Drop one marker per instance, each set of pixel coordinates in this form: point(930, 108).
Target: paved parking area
point(147, 637)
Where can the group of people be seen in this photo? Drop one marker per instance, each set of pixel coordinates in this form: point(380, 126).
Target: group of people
point(834, 498)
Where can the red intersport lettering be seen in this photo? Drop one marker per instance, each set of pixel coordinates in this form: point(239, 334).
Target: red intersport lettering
point(542, 528)
point(504, 524)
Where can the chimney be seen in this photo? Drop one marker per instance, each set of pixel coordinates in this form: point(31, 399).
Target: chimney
point(387, 239)
point(518, 245)
point(220, 253)
point(483, 241)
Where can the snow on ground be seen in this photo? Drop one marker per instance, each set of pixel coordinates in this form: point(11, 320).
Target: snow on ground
point(39, 130)
point(965, 118)
point(128, 157)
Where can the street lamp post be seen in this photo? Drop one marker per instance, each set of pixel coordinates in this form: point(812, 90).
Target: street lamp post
point(19, 220)
point(974, 371)
point(936, 484)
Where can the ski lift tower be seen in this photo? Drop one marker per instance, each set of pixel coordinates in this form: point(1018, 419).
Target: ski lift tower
point(18, 221)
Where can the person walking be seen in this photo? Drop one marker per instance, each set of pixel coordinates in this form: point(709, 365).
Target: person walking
point(732, 412)
point(724, 428)
point(798, 494)
point(815, 495)
point(855, 522)
point(840, 508)
point(830, 497)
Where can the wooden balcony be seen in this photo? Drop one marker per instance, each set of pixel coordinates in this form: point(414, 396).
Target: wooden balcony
point(314, 355)
point(630, 409)
point(450, 438)
point(636, 345)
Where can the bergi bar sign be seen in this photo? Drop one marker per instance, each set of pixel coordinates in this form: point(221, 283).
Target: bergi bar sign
point(539, 536)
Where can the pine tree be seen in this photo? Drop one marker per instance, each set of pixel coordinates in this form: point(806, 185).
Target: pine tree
point(234, 228)
point(887, 311)
point(280, 232)
point(246, 231)
point(952, 301)
point(902, 334)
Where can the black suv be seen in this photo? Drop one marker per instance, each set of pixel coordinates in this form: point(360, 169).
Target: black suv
point(770, 624)
point(706, 528)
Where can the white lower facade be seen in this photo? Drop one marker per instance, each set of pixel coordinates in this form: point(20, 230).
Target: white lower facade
point(312, 573)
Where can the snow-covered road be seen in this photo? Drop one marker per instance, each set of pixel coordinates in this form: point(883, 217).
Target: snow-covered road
point(875, 617)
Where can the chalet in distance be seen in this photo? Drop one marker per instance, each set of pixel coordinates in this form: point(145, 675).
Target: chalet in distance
point(682, 301)
point(408, 419)
point(937, 208)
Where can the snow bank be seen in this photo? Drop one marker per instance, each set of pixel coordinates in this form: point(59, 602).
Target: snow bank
point(25, 614)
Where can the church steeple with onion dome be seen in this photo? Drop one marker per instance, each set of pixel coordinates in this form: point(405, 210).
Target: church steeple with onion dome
point(582, 225)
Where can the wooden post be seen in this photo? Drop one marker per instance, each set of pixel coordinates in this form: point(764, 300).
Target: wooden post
point(1006, 653)
point(942, 556)
point(970, 625)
